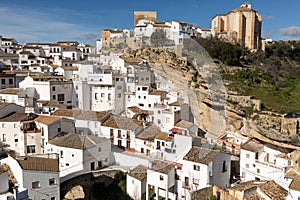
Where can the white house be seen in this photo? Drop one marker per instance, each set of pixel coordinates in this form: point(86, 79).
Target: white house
point(23, 97)
point(86, 122)
point(144, 141)
point(39, 175)
point(161, 180)
point(259, 161)
point(202, 168)
point(136, 182)
point(122, 131)
point(79, 154)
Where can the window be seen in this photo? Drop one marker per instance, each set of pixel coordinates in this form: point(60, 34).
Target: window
point(167, 119)
point(119, 87)
point(52, 181)
point(99, 149)
point(3, 81)
point(247, 155)
point(61, 97)
point(139, 97)
point(10, 81)
point(247, 165)
point(102, 95)
point(76, 87)
point(67, 164)
point(52, 198)
point(4, 138)
point(31, 149)
point(161, 177)
point(53, 88)
point(158, 121)
point(16, 140)
point(144, 97)
point(61, 154)
point(258, 171)
point(158, 112)
point(119, 95)
point(36, 184)
point(58, 129)
point(15, 125)
point(196, 167)
point(224, 167)
point(149, 105)
point(3, 125)
point(195, 181)
point(128, 134)
point(109, 97)
point(53, 97)
point(96, 96)
point(111, 132)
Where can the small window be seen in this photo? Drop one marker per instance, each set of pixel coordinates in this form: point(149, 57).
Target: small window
point(119, 95)
point(72, 155)
point(52, 198)
point(67, 164)
point(161, 177)
point(247, 165)
point(158, 121)
point(16, 140)
point(145, 97)
point(99, 149)
point(53, 97)
point(4, 138)
point(258, 171)
point(247, 155)
point(195, 181)
point(196, 167)
point(52, 181)
point(53, 88)
point(36, 184)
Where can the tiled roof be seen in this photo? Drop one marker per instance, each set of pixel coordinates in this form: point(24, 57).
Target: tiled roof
point(149, 133)
point(76, 141)
point(122, 123)
point(6, 168)
point(3, 104)
point(184, 124)
point(137, 110)
point(201, 155)
point(162, 167)
point(275, 191)
point(295, 185)
point(17, 117)
point(139, 172)
point(39, 164)
point(162, 136)
point(9, 55)
point(43, 119)
point(293, 174)
point(176, 103)
point(269, 188)
point(70, 68)
point(11, 91)
point(252, 145)
point(157, 92)
point(82, 115)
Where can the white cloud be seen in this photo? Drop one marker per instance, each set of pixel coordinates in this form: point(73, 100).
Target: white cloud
point(292, 31)
point(33, 26)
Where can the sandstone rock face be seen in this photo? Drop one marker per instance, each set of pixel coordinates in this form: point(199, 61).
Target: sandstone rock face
point(213, 116)
point(75, 193)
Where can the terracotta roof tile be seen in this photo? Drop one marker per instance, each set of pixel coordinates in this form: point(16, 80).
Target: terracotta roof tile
point(162, 167)
point(39, 164)
point(149, 133)
point(76, 141)
point(139, 172)
point(252, 145)
point(43, 119)
point(17, 117)
point(122, 123)
point(11, 91)
point(201, 155)
point(82, 115)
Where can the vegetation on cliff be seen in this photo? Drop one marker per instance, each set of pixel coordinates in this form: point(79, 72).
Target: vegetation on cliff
point(272, 76)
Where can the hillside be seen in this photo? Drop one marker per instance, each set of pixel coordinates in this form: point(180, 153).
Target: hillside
point(272, 76)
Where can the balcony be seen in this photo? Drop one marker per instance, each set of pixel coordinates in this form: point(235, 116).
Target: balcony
point(268, 164)
point(31, 130)
point(187, 187)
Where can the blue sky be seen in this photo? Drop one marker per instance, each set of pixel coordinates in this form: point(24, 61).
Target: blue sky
point(57, 20)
